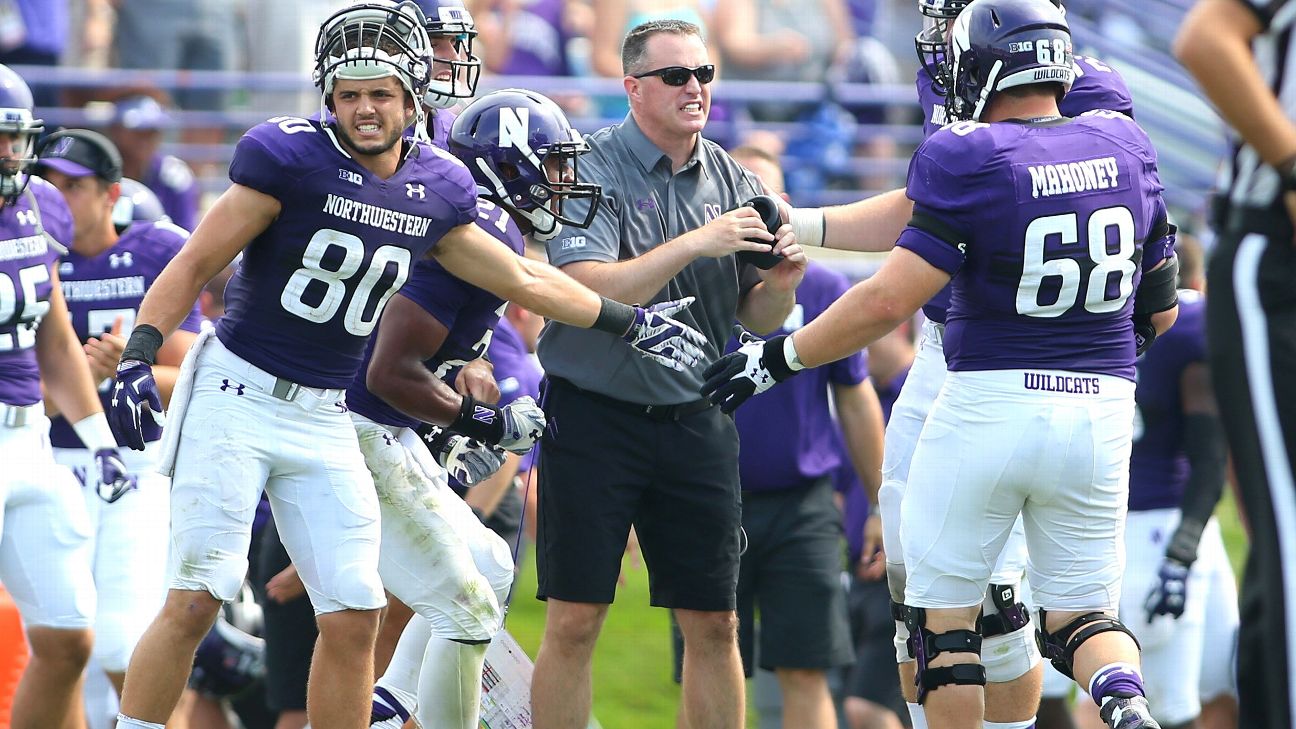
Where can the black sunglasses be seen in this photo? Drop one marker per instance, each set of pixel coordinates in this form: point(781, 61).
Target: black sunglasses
point(679, 75)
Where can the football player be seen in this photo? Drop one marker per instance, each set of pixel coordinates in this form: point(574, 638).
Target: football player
point(104, 278)
point(1033, 415)
point(45, 533)
point(436, 556)
point(455, 67)
point(332, 215)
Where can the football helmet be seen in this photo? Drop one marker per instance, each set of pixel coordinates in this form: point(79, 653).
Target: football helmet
point(522, 150)
point(458, 75)
point(228, 661)
point(16, 118)
point(137, 204)
point(999, 44)
point(374, 39)
point(931, 41)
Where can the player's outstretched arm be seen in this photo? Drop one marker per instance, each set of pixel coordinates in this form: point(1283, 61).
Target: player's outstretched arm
point(238, 216)
point(867, 311)
point(871, 225)
point(870, 309)
point(474, 256)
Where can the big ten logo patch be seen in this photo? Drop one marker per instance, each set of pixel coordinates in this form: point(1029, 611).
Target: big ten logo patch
point(710, 212)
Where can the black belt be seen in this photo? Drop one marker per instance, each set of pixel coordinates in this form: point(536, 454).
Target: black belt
point(665, 413)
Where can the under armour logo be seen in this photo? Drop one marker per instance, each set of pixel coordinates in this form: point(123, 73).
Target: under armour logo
point(226, 386)
point(341, 406)
point(388, 439)
point(415, 188)
point(646, 204)
point(65, 268)
point(120, 259)
point(27, 217)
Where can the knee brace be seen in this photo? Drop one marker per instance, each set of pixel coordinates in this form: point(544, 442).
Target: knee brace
point(925, 645)
point(1009, 614)
point(1060, 647)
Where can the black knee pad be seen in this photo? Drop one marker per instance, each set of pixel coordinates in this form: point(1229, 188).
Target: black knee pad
point(925, 645)
point(1011, 615)
point(1060, 647)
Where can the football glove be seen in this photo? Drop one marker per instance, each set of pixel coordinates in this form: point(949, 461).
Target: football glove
point(662, 339)
point(1170, 591)
point(134, 397)
point(524, 423)
point(749, 370)
point(114, 481)
point(470, 462)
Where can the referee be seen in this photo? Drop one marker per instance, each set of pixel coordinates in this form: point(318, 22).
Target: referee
point(630, 445)
point(1241, 53)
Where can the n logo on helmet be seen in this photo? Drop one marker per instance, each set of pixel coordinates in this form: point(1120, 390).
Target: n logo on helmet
point(514, 128)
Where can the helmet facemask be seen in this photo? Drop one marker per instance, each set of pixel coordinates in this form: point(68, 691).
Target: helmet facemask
point(464, 68)
point(371, 41)
point(18, 122)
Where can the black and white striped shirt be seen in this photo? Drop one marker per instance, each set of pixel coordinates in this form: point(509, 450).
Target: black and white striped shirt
point(1248, 179)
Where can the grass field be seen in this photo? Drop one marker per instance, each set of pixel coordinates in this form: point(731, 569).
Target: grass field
point(632, 663)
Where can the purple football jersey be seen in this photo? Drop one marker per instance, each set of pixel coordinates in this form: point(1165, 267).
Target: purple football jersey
point(537, 40)
point(1096, 86)
point(26, 264)
point(1159, 467)
point(312, 285)
point(439, 123)
point(469, 313)
point(1042, 227)
point(111, 285)
point(176, 187)
point(786, 433)
point(517, 371)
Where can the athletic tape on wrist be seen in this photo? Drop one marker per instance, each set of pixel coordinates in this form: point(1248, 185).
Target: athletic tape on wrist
point(94, 432)
point(614, 317)
point(143, 345)
point(808, 225)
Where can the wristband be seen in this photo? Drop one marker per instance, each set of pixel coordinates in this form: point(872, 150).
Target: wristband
point(1183, 544)
point(790, 355)
point(143, 345)
point(808, 225)
point(479, 421)
point(614, 317)
point(94, 432)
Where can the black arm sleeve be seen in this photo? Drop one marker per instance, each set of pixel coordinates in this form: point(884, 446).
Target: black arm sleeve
point(1204, 443)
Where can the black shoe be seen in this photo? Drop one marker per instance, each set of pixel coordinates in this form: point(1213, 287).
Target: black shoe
point(1128, 712)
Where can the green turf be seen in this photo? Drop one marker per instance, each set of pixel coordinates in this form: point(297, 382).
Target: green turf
point(632, 663)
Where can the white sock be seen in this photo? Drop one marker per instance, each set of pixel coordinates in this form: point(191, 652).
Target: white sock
point(917, 716)
point(124, 721)
point(1028, 724)
point(402, 675)
point(450, 685)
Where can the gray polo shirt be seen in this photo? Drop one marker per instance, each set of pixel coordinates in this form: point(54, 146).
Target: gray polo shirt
point(645, 205)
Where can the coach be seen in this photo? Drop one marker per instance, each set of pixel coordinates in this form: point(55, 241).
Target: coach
point(628, 445)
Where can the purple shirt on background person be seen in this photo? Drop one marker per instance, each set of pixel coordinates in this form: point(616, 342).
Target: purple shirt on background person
point(517, 371)
point(846, 482)
point(1096, 86)
point(311, 286)
point(537, 40)
point(469, 313)
point(1159, 467)
point(176, 188)
point(45, 25)
point(1037, 208)
point(26, 259)
point(786, 433)
point(112, 284)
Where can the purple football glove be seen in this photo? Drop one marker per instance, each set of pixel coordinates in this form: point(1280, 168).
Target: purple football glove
point(1170, 592)
point(664, 340)
point(134, 396)
point(114, 481)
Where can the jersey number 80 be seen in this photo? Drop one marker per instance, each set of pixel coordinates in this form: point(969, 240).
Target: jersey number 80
point(362, 311)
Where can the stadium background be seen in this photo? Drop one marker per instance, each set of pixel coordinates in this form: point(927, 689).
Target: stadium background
point(847, 135)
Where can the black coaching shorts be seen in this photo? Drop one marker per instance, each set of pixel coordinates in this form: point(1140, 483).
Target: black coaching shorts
point(606, 464)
